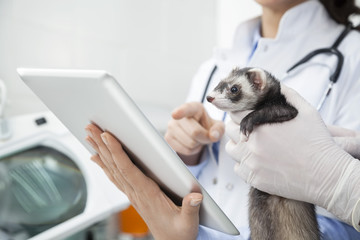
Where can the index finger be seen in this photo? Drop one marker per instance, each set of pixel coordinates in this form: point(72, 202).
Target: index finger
point(128, 170)
point(191, 109)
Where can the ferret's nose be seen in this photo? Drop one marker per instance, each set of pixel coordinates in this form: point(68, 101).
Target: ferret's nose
point(209, 99)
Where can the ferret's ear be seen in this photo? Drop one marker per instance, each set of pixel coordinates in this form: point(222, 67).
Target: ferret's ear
point(257, 77)
point(235, 71)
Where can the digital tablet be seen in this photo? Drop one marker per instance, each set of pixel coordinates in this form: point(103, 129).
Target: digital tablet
point(80, 97)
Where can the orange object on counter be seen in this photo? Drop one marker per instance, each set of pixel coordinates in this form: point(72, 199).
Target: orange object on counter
point(130, 222)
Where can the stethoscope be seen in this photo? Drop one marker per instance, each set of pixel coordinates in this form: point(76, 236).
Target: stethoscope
point(330, 51)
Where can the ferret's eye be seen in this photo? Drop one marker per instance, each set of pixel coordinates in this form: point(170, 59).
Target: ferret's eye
point(234, 89)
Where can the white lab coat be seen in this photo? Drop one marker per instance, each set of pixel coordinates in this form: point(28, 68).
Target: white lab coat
point(302, 29)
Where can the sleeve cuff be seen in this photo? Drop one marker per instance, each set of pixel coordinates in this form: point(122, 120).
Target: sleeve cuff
point(196, 169)
point(356, 216)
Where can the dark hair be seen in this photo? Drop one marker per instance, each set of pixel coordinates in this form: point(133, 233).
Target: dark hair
point(340, 10)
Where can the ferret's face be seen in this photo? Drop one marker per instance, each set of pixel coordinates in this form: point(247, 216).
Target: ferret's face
point(236, 92)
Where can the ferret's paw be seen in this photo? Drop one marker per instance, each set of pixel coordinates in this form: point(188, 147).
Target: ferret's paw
point(244, 133)
point(244, 137)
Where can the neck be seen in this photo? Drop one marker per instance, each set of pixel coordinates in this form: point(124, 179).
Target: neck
point(271, 16)
point(270, 23)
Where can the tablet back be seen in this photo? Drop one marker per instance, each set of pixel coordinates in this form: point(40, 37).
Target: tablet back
point(79, 97)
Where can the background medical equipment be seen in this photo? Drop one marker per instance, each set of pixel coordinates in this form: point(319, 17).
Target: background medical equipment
point(5, 131)
point(49, 187)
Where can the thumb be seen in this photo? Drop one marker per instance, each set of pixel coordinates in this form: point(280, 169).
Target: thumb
point(190, 208)
point(337, 131)
point(216, 130)
point(350, 145)
point(296, 100)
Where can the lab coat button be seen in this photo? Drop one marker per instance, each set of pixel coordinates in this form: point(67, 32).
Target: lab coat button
point(265, 48)
point(229, 186)
point(215, 181)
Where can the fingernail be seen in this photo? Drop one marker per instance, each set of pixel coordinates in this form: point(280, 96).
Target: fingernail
point(215, 134)
point(195, 202)
point(103, 137)
point(89, 132)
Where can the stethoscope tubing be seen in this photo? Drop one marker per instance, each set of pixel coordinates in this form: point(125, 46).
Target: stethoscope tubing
point(208, 83)
point(333, 50)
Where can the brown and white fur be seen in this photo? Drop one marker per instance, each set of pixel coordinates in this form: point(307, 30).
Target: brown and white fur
point(271, 217)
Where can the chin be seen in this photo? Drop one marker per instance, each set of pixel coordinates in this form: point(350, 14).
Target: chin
point(223, 107)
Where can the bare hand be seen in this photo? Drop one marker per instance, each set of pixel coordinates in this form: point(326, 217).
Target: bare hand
point(164, 219)
point(191, 128)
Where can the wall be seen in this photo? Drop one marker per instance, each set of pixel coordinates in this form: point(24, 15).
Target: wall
point(152, 47)
point(229, 14)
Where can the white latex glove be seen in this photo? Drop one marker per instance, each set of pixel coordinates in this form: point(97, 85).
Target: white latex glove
point(298, 159)
point(348, 140)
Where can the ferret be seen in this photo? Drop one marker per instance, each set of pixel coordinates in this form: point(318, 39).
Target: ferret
point(270, 217)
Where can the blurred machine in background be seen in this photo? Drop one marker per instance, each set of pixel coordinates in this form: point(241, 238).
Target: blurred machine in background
point(49, 187)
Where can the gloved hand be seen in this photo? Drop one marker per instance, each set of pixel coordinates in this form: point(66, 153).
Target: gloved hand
point(297, 159)
point(348, 140)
